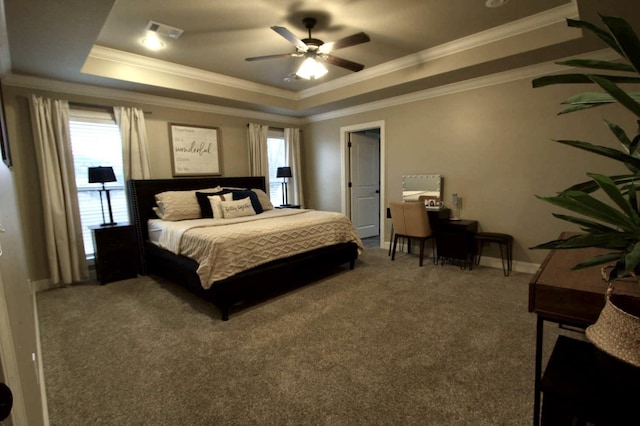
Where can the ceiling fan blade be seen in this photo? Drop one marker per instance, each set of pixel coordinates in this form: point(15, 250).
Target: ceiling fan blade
point(299, 44)
point(260, 58)
point(351, 40)
point(344, 63)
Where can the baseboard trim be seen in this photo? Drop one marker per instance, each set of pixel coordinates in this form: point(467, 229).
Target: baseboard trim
point(42, 285)
point(489, 262)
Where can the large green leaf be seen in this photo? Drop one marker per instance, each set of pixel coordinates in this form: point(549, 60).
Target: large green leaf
point(586, 225)
point(614, 194)
point(619, 94)
point(633, 197)
point(597, 64)
point(625, 38)
point(603, 35)
point(586, 205)
point(595, 97)
point(604, 151)
point(580, 107)
point(620, 134)
point(614, 241)
point(580, 79)
point(591, 186)
point(598, 260)
point(633, 257)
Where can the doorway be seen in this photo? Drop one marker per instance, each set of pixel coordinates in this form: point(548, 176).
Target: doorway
point(363, 178)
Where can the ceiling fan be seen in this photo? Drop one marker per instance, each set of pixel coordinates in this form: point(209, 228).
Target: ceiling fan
point(315, 50)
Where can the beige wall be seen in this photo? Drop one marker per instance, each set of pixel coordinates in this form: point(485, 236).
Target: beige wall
point(493, 147)
point(16, 292)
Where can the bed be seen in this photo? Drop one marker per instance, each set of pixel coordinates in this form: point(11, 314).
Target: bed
point(232, 287)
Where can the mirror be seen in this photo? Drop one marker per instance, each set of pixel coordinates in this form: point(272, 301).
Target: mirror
point(427, 186)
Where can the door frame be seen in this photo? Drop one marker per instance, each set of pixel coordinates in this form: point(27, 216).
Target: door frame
point(345, 204)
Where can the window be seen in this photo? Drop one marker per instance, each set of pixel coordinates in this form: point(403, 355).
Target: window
point(277, 158)
point(95, 141)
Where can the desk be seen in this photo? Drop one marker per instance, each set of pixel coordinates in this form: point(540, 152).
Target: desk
point(563, 296)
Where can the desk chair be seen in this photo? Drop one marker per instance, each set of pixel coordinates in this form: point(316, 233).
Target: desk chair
point(411, 221)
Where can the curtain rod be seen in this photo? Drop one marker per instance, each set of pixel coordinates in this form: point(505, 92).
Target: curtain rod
point(100, 107)
point(272, 127)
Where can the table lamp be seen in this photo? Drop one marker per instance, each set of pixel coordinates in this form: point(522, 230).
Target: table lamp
point(284, 173)
point(102, 175)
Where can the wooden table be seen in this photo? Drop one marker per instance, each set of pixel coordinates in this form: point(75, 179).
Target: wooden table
point(574, 298)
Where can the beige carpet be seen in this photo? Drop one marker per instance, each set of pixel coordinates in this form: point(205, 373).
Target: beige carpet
point(386, 343)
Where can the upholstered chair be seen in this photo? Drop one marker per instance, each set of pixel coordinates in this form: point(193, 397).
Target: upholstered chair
point(411, 221)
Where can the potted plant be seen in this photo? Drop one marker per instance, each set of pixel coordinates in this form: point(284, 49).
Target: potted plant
point(612, 225)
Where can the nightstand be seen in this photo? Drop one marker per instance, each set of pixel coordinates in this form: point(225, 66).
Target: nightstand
point(290, 206)
point(115, 252)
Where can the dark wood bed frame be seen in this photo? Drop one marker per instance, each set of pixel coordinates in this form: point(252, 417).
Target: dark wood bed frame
point(279, 274)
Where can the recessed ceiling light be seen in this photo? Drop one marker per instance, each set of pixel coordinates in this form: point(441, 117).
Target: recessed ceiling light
point(152, 42)
point(495, 3)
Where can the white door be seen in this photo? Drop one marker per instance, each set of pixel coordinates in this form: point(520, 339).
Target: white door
point(365, 182)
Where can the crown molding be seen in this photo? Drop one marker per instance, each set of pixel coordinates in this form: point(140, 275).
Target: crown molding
point(131, 59)
point(528, 72)
point(43, 84)
point(530, 23)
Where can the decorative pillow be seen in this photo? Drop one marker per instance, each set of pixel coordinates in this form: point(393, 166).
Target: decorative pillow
point(255, 203)
point(205, 204)
point(265, 202)
point(180, 205)
point(216, 206)
point(237, 208)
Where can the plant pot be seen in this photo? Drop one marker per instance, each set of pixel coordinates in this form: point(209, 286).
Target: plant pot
point(617, 331)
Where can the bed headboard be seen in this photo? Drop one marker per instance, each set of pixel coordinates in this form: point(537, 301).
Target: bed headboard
point(141, 199)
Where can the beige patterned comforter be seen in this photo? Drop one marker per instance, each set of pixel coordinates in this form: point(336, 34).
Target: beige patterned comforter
point(225, 247)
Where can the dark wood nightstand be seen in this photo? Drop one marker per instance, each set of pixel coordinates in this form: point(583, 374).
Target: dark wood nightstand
point(290, 206)
point(115, 252)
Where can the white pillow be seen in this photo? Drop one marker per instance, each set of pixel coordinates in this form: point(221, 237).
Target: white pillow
point(180, 205)
point(265, 202)
point(236, 208)
point(216, 206)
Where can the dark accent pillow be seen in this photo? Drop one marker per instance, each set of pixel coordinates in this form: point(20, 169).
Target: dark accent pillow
point(205, 205)
point(255, 202)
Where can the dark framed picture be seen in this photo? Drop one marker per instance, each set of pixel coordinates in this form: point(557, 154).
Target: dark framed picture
point(6, 152)
point(194, 150)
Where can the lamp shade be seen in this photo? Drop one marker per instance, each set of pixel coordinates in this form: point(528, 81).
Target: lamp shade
point(284, 172)
point(311, 69)
point(101, 174)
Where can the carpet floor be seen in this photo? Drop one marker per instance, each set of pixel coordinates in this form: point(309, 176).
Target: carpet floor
point(386, 343)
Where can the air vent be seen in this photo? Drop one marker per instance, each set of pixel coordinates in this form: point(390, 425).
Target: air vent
point(164, 29)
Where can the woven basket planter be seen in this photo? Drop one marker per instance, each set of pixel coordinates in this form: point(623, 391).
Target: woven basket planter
point(617, 332)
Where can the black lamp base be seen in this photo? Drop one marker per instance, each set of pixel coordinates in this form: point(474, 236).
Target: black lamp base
point(109, 224)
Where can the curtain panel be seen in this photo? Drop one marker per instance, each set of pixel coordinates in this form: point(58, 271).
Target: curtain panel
point(135, 147)
point(258, 154)
point(63, 230)
point(292, 156)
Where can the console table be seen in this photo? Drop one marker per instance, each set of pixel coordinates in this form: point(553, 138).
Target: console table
point(574, 298)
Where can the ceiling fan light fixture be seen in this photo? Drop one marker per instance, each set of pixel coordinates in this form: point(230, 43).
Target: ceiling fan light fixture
point(311, 69)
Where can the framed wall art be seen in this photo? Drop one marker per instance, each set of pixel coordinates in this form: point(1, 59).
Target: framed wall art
point(194, 150)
